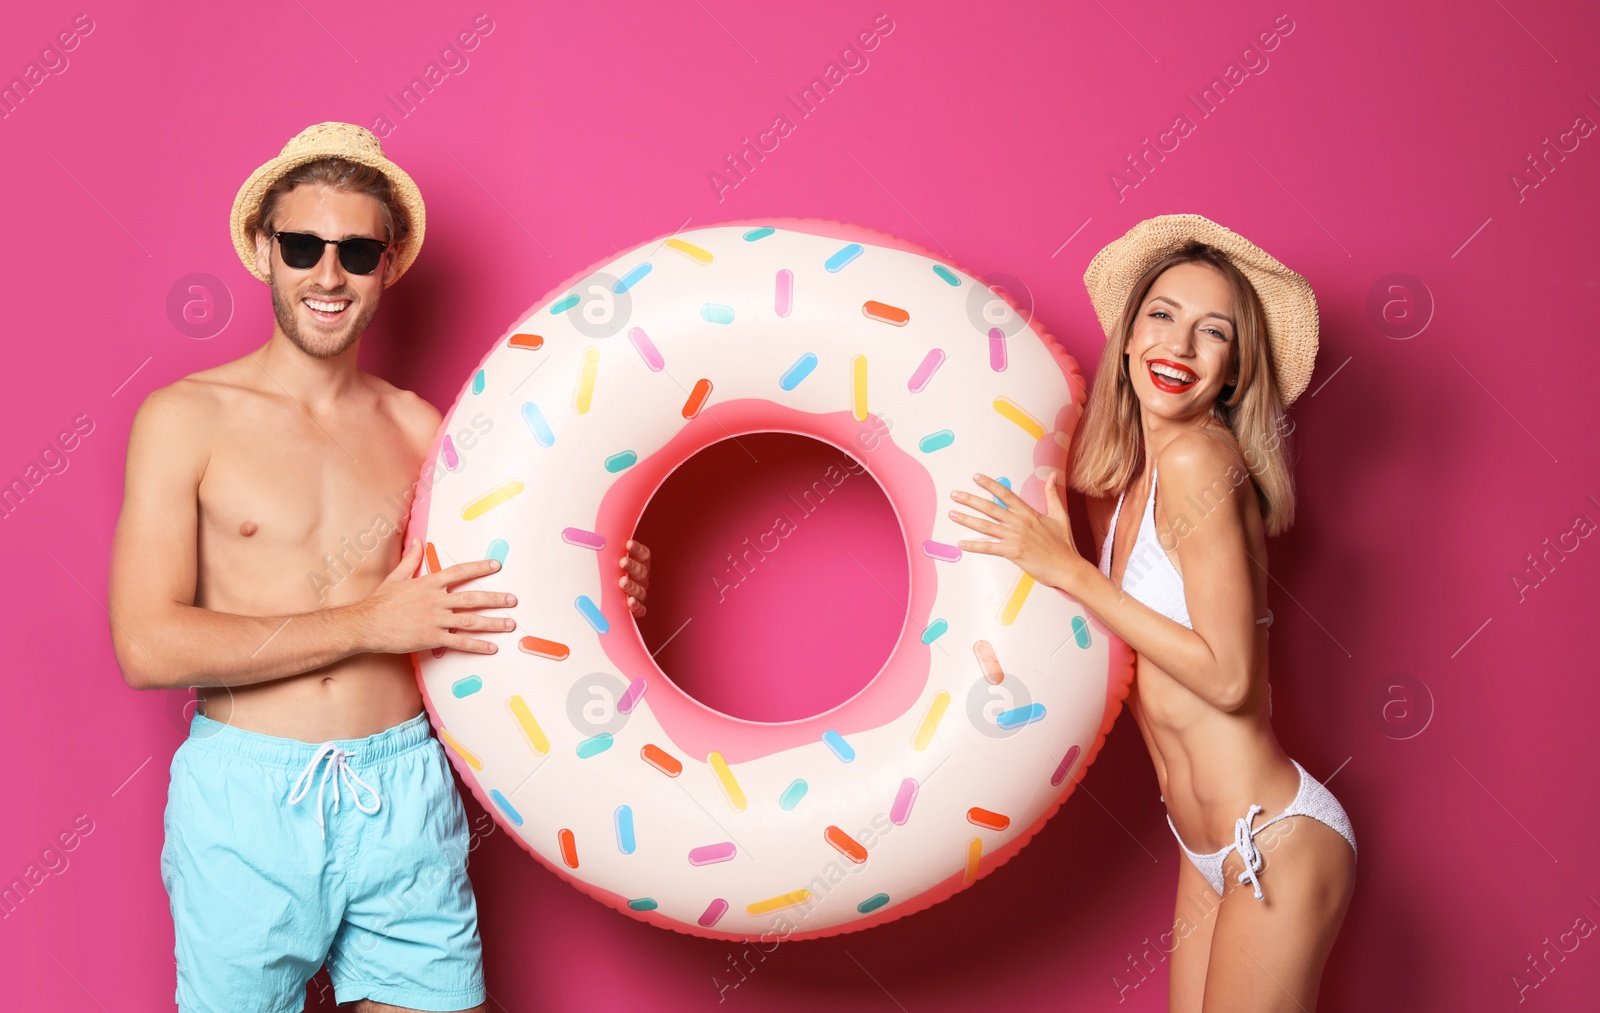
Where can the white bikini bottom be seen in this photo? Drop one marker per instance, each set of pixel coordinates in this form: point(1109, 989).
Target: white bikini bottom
point(1313, 800)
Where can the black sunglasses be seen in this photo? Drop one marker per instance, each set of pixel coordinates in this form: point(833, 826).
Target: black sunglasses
point(302, 251)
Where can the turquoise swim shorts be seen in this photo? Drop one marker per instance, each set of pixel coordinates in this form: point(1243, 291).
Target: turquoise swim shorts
point(283, 855)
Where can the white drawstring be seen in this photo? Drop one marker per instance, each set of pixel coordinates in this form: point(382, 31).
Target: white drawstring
point(338, 766)
point(1246, 845)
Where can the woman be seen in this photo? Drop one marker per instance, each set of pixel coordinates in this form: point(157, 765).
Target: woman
point(1209, 338)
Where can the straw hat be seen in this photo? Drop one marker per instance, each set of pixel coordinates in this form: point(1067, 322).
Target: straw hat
point(1290, 306)
point(344, 140)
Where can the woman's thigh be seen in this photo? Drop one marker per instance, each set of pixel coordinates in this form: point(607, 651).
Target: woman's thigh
point(1193, 919)
point(1268, 954)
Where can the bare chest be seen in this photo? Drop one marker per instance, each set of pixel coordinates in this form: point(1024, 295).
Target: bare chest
point(302, 513)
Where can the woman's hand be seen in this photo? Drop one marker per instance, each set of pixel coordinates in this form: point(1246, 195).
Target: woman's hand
point(635, 581)
point(1039, 543)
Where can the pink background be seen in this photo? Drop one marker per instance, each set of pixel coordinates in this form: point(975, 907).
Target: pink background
point(1376, 140)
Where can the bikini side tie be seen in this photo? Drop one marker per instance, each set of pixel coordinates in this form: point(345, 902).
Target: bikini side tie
point(1246, 845)
point(338, 766)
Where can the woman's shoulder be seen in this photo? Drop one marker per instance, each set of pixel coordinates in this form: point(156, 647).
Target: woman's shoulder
point(1199, 459)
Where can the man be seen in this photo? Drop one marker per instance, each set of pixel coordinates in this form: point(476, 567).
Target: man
point(241, 481)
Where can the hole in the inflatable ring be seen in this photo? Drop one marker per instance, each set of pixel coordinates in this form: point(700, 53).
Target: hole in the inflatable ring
point(779, 578)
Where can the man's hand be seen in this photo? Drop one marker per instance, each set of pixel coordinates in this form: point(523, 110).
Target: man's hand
point(407, 613)
point(636, 580)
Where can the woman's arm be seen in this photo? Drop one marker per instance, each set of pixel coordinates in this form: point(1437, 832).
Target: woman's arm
point(1216, 659)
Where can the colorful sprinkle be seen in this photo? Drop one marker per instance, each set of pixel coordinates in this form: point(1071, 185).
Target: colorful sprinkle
point(904, 799)
point(792, 795)
point(877, 900)
point(497, 551)
point(993, 674)
point(941, 551)
point(799, 371)
point(730, 787)
point(947, 275)
point(858, 387)
point(986, 819)
point(997, 350)
point(930, 720)
point(936, 441)
point(660, 759)
point(935, 630)
point(431, 557)
point(1080, 632)
point(544, 648)
point(448, 450)
point(842, 749)
point(1014, 600)
point(461, 751)
point(564, 304)
point(622, 460)
point(974, 859)
point(647, 349)
point(534, 419)
point(594, 745)
point(623, 819)
point(845, 845)
point(634, 694)
point(583, 539)
point(466, 687)
point(583, 394)
point(930, 365)
point(783, 294)
point(1011, 410)
point(530, 727)
point(591, 612)
point(719, 907)
point(884, 313)
point(845, 255)
point(716, 313)
point(750, 237)
point(697, 398)
point(779, 902)
point(528, 342)
point(477, 382)
point(476, 508)
point(506, 807)
point(1019, 716)
point(643, 904)
point(569, 847)
point(693, 252)
point(631, 279)
point(712, 854)
point(1062, 768)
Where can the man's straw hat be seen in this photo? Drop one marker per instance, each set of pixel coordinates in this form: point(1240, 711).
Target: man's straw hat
point(343, 140)
point(1290, 306)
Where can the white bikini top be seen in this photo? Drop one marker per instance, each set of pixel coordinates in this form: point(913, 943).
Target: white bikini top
point(1149, 576)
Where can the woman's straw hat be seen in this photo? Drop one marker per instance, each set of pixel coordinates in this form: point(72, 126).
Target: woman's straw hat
point(1290, 306)
point(342, 140)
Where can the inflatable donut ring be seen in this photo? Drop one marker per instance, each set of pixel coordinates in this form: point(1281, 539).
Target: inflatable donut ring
point(995, 698)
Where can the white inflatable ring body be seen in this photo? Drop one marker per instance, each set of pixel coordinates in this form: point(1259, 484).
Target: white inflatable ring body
point(597, 763)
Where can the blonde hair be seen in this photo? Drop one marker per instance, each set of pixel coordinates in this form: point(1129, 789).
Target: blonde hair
point(1108, 448)
point(338, 174)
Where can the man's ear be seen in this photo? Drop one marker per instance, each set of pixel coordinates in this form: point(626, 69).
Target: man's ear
point(391, 266)
point(263, 253)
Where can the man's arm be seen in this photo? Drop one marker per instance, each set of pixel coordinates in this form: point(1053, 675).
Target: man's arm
point(163, 640)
